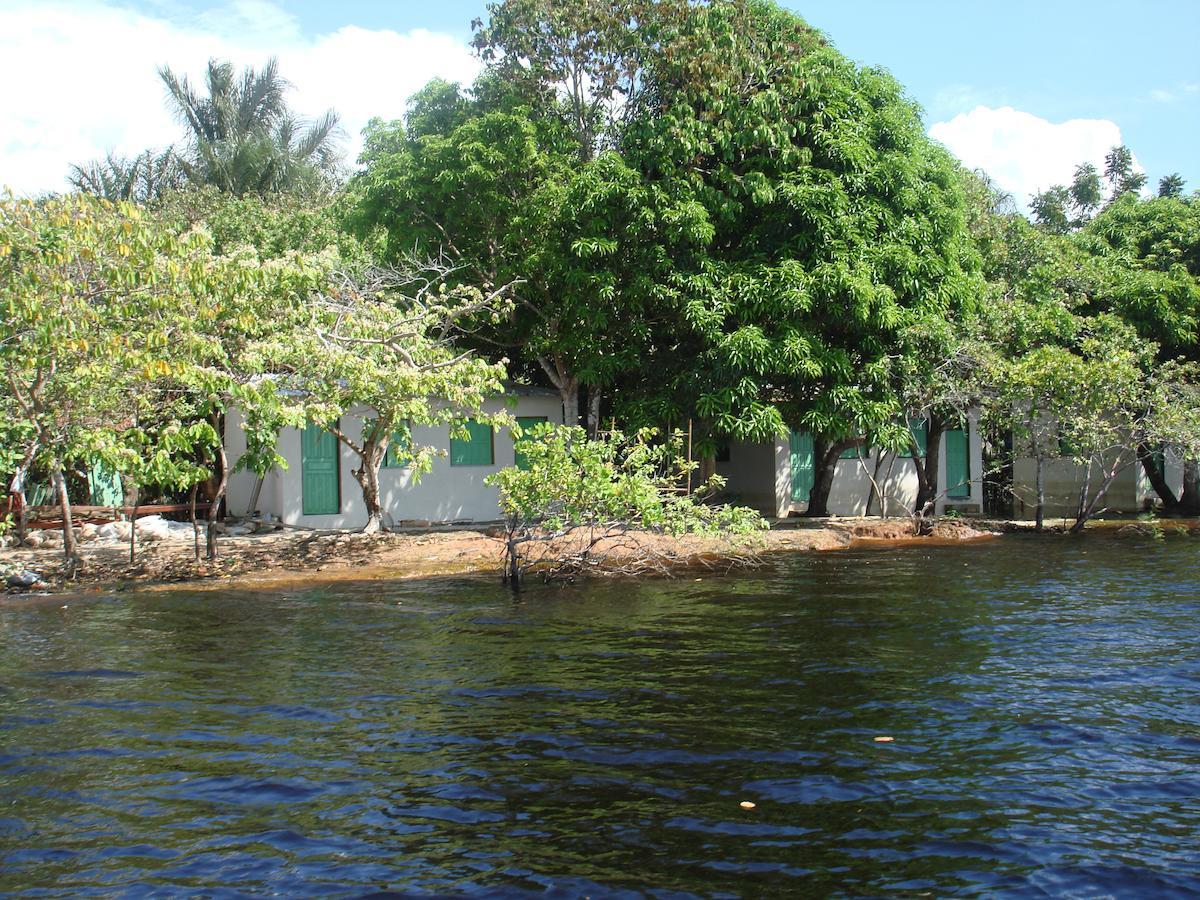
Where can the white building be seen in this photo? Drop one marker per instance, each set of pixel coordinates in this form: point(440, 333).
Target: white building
point(318, 489)
point(776, 478)
point(1064, 478)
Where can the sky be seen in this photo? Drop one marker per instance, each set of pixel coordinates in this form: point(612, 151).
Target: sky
point(1024, 90)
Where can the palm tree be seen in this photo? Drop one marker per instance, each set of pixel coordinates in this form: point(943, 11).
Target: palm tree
point(141, 179)
point(243, 138)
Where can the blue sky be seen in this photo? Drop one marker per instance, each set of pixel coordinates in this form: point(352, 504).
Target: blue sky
point(1023, 89)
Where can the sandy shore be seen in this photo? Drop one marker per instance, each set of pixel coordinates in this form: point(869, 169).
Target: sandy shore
point(291, 557)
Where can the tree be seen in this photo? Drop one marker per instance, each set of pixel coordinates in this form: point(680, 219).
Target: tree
point(83, 283)
point(144, 178)
point(1145, 254)
point(1171, 185)
point(379, 351)
point(579, 60)
point(1093, 400)
point(127, 340)
point(1061, 210)
point(818, 214)
point(1119, 172)
point(1051, 209)
point(502, 196)
point(594, 504)
point(243, 138)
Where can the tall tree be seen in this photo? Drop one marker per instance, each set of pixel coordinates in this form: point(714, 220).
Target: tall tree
point(827, 217)
point(1120, 174)
point(242, 136)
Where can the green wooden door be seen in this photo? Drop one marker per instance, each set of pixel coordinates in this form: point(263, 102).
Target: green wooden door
point(319, 472)
point(958, 464)
point(802, 466)
point(526, 422)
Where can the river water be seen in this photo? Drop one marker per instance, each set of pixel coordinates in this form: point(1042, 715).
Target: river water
point(445, 737)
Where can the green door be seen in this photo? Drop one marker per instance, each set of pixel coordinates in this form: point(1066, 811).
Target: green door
point(319, 472)
point(958, 464)
point(802, 466)
point(526, 422)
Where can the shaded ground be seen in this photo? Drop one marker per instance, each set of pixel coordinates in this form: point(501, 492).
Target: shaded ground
point(308, 557)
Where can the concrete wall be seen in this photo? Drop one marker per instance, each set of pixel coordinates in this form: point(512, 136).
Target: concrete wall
point(1064, 478)
point(760, 476)
point(444, 494)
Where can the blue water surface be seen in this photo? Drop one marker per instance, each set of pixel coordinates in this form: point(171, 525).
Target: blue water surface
point(448, 737)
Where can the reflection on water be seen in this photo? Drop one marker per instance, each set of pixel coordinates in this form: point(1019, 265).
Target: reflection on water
point(448, 738)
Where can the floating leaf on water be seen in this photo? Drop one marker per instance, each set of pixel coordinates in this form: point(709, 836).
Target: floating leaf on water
point(884, 739)
point(746, 804)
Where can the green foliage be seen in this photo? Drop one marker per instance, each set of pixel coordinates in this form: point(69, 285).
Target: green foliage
point(141, 179)
point(584, 499)
point(1171, 185)
point(377, 351)
point(828, 221)
point(273, 225)
point(570, 481)
point(120, 335)
point(1146, 260)
point(242, 138)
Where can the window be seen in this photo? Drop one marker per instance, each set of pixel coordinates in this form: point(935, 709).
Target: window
point(399, 449)
point(477, 449)
point(920, 432)
point(526, 423)
point(852, 452)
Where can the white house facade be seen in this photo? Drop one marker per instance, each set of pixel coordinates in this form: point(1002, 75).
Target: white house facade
point(776, 478)
point(318, 490)
point(1064, 478)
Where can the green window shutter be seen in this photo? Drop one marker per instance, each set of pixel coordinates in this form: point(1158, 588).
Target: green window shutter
point(319, 483)
point(920, 432)
point(801, 445)
point(478, 451)
point(104, 485)
point(852, 453)
point(526, 422)
point(399, 449)
point(958, 464)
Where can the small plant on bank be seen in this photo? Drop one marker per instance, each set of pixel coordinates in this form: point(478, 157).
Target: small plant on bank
point(609, 504)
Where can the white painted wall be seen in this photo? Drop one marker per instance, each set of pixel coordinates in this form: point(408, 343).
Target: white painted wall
point(1064, 478)
point(444, 494)
point(760, 476)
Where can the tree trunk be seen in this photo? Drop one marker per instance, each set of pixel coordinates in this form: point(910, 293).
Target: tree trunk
point(1041, 492)
point(593, 416)
point(133, 524)
point(567, 385)
point(222, 473)
point(70, 550)
point(825, 457)
point(252, 506)
point(1157, 479)
point(367, 476)
point(1083, 510)
point(16, 500)
point(570, 400)
point(927, 469)
point(195, 524)
point(1189, 501)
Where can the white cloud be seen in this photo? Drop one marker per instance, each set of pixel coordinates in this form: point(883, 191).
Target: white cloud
point(1023, 153)
point(80, 77)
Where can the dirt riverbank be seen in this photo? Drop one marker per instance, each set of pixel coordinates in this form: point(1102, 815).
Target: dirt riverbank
point(291, 557)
